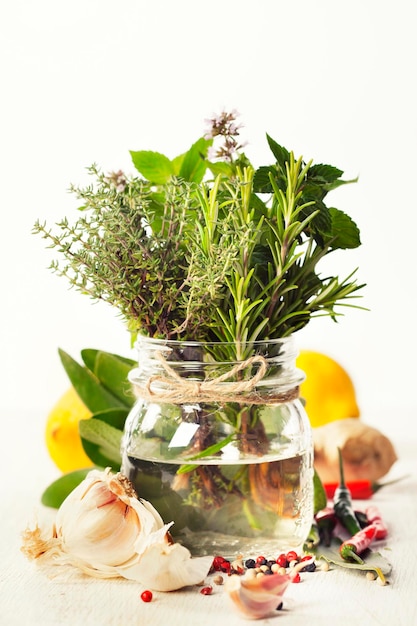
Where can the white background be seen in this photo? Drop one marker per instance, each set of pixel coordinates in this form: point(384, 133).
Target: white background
point(88, 80)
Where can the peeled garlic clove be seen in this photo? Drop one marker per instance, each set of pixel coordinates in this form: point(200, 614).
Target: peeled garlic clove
point(168, 567)
point(256, 598)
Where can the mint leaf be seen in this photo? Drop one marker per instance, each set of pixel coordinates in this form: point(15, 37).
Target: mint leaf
point(194, 165)
point(261, 179)
point(176, 163)
point(280, 153)
point(153, 166)
point(324, 173)
point(221, 168)
point(344, 232)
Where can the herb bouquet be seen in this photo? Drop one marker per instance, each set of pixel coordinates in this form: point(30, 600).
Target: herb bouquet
point(213, 265)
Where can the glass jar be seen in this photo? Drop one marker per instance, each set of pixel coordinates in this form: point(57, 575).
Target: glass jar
point(222, 445)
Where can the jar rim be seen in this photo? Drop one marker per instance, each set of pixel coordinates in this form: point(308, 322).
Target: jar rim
point(143, 339)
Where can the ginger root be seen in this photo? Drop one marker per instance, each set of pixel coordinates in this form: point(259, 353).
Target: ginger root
point(367, 453)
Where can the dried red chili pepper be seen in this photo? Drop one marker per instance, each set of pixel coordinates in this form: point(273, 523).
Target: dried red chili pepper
point(375, 519)
point(353, 547)
point(359, 489)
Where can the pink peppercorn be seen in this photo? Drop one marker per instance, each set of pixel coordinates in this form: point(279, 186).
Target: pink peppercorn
point(146, 596)
point(225, 566)
point(282, 560)
point(217, 563)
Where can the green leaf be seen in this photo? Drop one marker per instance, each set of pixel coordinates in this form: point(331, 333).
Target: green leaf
point(89, 356)
point(113, 417)
point(324, 173)
point(320, 497)
point(280, 153)
point(321, 223)
point(153, 166)
point(156, 207)
point(216, 447)
point(176, 163)
point(94, 395)
point(105, 440)
point(261, 179)
point(339, 183)
point(112, 371)
point(221, 167)
point(194, 165)
point(55, 494)
point(344, 232)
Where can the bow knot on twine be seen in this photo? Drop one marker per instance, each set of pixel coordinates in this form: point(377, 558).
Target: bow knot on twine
point(174, 388)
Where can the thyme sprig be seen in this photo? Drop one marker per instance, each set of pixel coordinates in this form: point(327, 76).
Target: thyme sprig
point(200, 249)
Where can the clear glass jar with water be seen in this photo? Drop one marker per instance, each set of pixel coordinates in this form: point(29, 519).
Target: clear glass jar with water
point(222, 446)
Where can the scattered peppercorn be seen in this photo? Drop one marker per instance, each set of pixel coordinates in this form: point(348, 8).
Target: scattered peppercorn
point(311, 567)
point(282, 560)
point(207, 591)
point(261, 566)
point(217, 563)
point(146, 596)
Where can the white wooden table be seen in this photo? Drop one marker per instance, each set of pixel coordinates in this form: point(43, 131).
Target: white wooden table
point(338, 597)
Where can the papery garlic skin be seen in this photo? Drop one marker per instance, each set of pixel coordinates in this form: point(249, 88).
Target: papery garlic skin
point(103, 529)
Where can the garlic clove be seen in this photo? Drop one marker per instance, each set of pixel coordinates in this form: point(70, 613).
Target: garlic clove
point(256, 598)
point(168, 567)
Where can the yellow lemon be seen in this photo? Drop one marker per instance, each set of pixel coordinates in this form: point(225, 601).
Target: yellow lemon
point(62, 437)
point(328, 390)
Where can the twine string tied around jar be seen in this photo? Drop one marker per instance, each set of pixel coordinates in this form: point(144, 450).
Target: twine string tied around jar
point(174, 388)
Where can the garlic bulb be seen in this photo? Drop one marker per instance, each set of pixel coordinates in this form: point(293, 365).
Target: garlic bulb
point(256, 598)
point(103, 529)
